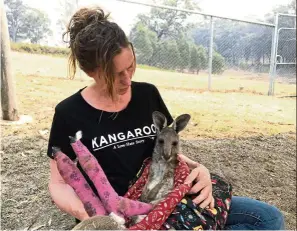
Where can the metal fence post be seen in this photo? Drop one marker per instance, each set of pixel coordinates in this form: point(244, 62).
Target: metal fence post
point(210, 53)
point(272, 71)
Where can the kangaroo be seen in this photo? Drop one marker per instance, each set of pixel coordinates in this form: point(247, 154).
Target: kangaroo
point(164, 159)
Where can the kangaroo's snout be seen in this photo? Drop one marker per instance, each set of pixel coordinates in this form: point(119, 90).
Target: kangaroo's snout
point(167, 144)
point(166, 155)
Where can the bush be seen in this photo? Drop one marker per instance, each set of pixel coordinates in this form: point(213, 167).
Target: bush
point(38, 49)
point(244, 66)
point(218, 63)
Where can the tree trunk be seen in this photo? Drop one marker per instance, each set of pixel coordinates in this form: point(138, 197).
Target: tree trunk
point(14, 33)
point(9, 109)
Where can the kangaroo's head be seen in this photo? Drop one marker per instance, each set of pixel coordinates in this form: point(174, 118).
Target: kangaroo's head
point(167, 140)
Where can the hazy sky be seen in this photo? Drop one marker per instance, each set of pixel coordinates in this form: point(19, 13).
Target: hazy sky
point(124, 13)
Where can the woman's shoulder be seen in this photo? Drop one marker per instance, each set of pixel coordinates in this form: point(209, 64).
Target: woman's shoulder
point(144, 86)
point(69, 104)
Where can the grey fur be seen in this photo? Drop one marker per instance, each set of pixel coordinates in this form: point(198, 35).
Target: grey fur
point(101, 223)
point(55, 150)
point(78, 136)
point(164, 159)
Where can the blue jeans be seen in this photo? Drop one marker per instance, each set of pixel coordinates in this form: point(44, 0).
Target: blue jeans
point(247, 214)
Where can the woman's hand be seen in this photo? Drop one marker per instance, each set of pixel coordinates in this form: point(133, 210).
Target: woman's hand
point(201, 175)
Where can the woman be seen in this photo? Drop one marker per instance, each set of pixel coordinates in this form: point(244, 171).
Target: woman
point(115, 116)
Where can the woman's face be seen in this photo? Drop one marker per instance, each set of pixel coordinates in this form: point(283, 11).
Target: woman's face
point(124, 66)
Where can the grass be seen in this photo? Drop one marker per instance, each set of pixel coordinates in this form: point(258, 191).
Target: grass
point(230, 81)
point(214, 114)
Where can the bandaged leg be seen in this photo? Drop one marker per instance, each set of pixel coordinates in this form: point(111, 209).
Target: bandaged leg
point(72, 176)
point(111, 201)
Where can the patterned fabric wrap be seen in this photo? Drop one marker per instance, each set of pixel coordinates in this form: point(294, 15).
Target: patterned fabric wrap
point(155, 218)
point(177, 210)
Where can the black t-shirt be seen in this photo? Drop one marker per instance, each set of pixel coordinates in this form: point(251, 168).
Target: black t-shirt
point(120, 142)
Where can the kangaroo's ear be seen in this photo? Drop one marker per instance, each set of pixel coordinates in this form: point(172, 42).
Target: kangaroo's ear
point(160, 120)
point(181, 122)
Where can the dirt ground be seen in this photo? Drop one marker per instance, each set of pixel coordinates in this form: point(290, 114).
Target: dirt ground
point(260, 167)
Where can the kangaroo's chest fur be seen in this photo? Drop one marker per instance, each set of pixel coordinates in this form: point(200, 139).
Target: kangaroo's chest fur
point(160, 182)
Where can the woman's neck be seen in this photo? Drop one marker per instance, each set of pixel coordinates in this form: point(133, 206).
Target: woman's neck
point(99, 98)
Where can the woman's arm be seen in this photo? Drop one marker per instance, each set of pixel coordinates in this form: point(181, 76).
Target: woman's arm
point(63, 195)
point(191, 163)
point(201, 175)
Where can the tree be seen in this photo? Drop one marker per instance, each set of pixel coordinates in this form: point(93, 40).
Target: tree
point(218, 63)
point(198, 60)
point(249, 44)
point(202, 59)
point(36, 25)
point(172, 55)
point(142, 40)
point(9, 109)
point(201, 34)
point(167, 23)
point(194, 58)
point(184, 51)
point(167, 55)
point(26, 23)
point(15, 17)
point(241, 44)
point(164, 29)
point(159, 58)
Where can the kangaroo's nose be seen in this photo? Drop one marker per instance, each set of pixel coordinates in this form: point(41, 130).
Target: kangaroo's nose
point(167, 154)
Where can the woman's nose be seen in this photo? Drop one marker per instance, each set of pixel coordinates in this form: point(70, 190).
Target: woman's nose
point(126, 79)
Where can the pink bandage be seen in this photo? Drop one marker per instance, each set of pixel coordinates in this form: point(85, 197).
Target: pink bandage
point(75, 179)
point(121, 206)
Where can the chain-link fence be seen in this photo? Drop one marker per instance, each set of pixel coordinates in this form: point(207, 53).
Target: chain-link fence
point(246, 49)
point(220, 54)
point(285, 65)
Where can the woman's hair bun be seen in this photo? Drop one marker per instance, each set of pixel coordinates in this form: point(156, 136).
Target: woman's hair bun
point(82, 18)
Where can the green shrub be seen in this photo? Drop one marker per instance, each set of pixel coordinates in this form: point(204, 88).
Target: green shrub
point(218, 63)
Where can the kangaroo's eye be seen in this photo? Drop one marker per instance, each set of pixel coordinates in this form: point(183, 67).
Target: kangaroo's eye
point(161, 141)
point(174, 143)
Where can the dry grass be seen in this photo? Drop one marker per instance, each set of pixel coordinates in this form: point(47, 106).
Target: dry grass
point(214, 114)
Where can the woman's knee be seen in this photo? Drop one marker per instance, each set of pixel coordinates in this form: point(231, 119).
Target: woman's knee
point(271, 218)
point(276, 220)
point(246, 211)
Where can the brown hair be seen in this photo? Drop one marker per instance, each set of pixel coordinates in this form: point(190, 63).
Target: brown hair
point(94, 41)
